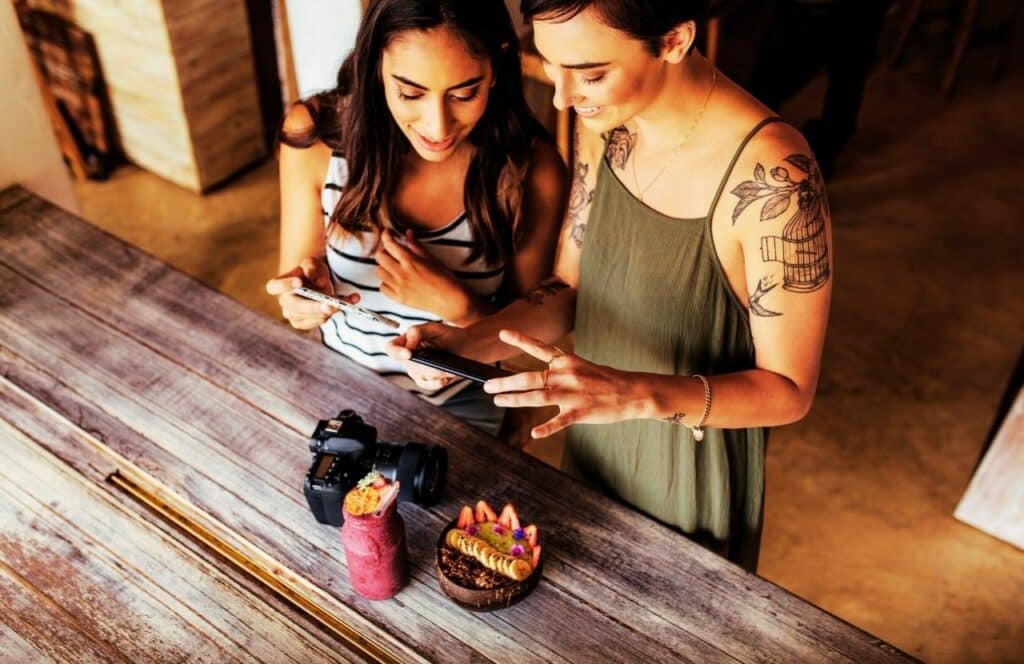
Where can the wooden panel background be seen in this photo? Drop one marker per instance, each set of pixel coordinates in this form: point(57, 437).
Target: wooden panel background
point(214, 402)
point(181, 83)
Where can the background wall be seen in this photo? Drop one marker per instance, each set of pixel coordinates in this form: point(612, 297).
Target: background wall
point(28, 149)
point(322, 34)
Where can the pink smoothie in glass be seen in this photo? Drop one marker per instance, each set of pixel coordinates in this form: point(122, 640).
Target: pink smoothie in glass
point(375, 552)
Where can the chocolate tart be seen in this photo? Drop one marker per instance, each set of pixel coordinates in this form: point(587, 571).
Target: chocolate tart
point(472, 586)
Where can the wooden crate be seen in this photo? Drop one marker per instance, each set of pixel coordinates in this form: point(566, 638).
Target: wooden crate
point(181, 83)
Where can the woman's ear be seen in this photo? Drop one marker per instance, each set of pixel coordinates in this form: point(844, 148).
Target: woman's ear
point(677, 43)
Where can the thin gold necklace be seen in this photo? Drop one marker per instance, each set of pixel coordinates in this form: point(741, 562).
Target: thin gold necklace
point(676, 151)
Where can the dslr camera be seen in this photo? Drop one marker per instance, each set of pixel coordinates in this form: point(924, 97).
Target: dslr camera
point(345, 449)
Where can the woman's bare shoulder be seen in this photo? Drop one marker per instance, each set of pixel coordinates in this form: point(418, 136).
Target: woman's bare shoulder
point(299, 122)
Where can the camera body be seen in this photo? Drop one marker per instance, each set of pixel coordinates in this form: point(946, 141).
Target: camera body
point(345, 449)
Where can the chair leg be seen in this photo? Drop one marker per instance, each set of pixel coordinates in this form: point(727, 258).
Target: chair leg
point(913, 11)
point(962, 40)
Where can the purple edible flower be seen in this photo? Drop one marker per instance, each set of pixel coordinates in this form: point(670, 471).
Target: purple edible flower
point(518, 533)
point(516, 550)
point(498, 529)
point(472, 529)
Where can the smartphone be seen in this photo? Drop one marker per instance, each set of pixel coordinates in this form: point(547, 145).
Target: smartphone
point(338, 303)
point(458, 365)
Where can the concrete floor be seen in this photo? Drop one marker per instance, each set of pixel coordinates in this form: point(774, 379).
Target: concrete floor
point(928, 319)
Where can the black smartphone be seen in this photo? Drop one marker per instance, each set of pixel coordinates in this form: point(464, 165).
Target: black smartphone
point(458, 365)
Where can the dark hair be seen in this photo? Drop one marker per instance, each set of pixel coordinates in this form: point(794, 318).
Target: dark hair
point(646, 20)
point(353, 119)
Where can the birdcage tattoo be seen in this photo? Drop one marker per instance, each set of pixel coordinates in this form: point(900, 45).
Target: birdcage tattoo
point(803, 248)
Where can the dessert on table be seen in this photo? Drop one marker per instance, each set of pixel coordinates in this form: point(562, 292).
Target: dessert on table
point(487, 561)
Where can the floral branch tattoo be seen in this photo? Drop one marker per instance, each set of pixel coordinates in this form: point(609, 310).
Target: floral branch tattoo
point(579, 197)
point(674, 419)
point(802, 248)
point(546, 289)
point(763, 288)
point(620, 146)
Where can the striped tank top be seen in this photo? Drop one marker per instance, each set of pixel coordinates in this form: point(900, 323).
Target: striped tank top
point(353, 270)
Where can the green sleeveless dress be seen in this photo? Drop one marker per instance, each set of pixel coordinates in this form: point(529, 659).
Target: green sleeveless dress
point(653, 297)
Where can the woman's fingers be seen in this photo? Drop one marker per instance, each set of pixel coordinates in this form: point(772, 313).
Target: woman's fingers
point(538, 349)
point(520, 382)
point(413, 245)
point(396, 348)
point(531, 399)
point(283, 284)
point(555, 424)
point(391, 246)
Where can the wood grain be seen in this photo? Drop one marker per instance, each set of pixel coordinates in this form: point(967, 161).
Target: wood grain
point(78, 565)
point(215, 402)
point(181, 81)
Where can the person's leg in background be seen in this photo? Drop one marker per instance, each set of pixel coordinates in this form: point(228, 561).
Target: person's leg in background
point(853, 47)
point(792, 52)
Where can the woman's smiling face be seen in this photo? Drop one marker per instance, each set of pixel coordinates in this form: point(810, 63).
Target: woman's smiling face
point(605, 75)
point(436, 90)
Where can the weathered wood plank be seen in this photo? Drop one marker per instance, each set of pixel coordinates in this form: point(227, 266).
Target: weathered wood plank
point(14, 647)
point(761, 634)
point(14, 196)
point(703, 601)
point(500, 636)
point(40, 624)
point(308, 549)
point(122, 583)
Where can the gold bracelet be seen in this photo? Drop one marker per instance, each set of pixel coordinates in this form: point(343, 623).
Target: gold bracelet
point(697, 429)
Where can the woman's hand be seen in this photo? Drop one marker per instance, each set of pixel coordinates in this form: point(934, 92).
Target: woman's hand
point(583, 391)
point(305, 314)
point(410, 275)
point(428, 335)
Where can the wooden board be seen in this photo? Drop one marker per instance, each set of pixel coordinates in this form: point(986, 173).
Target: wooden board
point(83, 579)
point(181, 82)
point(180, 387)
point(994, 501)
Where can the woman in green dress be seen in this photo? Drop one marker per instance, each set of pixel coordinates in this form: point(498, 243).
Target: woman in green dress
point(694, 266)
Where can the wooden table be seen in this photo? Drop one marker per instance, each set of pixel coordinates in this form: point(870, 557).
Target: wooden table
point(151, 462)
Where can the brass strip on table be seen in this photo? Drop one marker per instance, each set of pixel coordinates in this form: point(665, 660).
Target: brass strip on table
point(258, 565)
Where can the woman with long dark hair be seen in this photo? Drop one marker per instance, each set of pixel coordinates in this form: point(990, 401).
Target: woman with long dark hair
point(421, 186)
point(695, 269)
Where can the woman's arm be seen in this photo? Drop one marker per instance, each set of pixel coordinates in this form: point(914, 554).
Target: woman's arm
point(777, 217)
point(544, 199)
point(303, 240)
point(301, 174)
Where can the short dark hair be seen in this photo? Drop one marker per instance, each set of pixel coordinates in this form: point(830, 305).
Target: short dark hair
point(646, 20)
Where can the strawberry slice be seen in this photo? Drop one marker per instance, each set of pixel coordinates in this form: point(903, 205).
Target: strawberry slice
point(509, 518)
point(531, 535)
point(465, 517)
point(484, 512)
point(379, 482)
point(536, 556)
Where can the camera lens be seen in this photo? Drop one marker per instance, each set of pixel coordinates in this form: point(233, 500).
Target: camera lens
point(421, 470)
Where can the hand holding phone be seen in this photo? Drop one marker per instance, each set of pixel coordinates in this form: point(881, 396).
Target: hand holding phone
point(457, 365)
point(338, 303)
